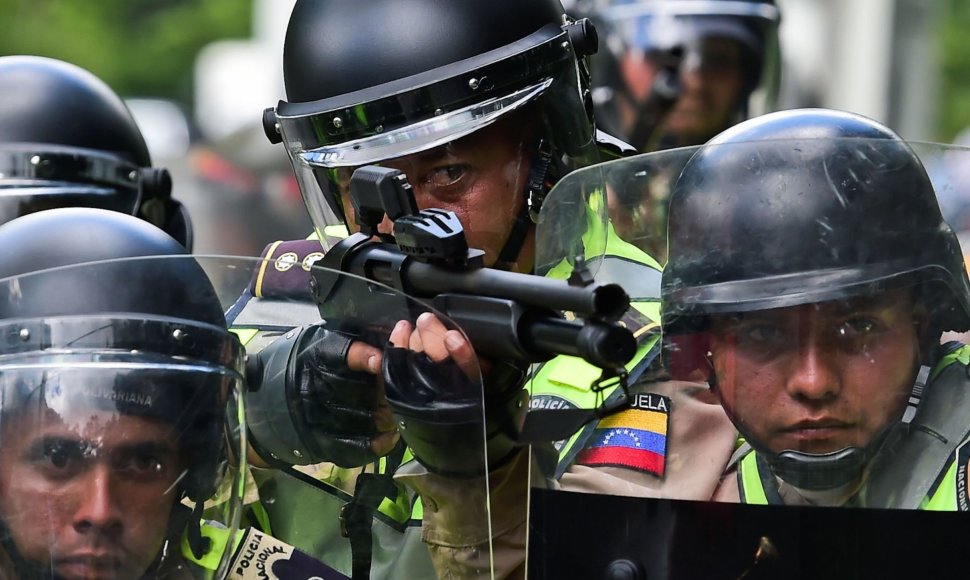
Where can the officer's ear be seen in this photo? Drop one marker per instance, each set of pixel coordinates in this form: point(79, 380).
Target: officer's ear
point(687, 357)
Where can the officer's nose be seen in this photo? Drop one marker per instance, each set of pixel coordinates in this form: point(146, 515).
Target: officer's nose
point(99, 509)
point(812, 373)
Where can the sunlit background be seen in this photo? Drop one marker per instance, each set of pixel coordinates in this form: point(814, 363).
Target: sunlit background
point(198, 73)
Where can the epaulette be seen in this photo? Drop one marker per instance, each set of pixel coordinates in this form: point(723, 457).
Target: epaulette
point(284, 272)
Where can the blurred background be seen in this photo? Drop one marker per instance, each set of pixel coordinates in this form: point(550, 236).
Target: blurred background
point(198, 73)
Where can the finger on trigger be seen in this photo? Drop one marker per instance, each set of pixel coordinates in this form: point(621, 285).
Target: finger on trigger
point(400, 334)
point(461, 351)
point(432, 335)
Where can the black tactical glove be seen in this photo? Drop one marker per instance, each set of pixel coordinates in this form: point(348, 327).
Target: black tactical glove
point(305, 406)
point(439, 411)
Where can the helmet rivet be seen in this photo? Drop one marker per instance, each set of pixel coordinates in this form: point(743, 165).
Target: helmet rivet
point(379, 129)
point(402, 424)
point(133, 175)
point(178, 334)
point(473, 83)
point(35, 160)
point(565, 45)
point(338, 122)
point(24, 334)
point(297, 453)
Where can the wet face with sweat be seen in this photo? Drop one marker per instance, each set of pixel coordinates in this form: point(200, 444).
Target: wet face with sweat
point(481, 177)
point(818, 378)
point(88, 496)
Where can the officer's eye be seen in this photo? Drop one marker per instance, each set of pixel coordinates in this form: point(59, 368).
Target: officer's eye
point(143, 461)
point(144, 464)
point(59, 454)
point(857, 327)
point(763, 333)
point(58, 457)
point(447, 175)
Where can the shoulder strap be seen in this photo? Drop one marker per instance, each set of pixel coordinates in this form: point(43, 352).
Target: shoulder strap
point(915, 454)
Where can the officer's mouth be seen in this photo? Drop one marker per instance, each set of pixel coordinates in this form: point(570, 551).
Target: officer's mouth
point(812, 433)
point(89, 566)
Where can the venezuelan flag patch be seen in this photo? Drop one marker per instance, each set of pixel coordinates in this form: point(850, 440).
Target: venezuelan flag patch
point(635, 438)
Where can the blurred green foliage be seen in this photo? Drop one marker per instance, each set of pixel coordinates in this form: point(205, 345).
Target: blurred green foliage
point(139, 47)
point(954, 111)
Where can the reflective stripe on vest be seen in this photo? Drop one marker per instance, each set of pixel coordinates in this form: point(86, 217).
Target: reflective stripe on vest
point(944, 497)
point(566, 380)
point(219, 539)
point(750, 485)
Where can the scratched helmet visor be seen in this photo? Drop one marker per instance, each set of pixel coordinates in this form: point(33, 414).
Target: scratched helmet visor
point(112, 431)
point(37, 178)
point(811, 246)
point(432, 109)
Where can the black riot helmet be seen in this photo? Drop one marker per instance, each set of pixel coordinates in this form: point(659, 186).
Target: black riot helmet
point(820, 205)
point(66, 140)
point(806, 207)
point(640, 90)
point(105, 317)
point(369, 82)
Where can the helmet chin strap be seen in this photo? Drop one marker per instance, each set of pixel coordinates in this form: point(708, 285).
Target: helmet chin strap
point(819, 471)
point(827, 471)
point(541, 178)
point(514, 243)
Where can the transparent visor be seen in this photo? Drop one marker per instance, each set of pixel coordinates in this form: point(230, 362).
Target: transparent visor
point(422, 135)
point(743, 240)
point(836, 377)
point(33, 180)
point(538, 91)
point(683, 71)
point(94, 380)
point(109, 462)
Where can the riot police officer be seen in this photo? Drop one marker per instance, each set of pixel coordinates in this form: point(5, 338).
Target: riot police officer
point(818, 319)
point(676, 73)
point(66, 139)
point(483, 107)
point(810, 278)
point(116, 371)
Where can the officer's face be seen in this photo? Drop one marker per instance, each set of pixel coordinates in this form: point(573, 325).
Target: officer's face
point(89, 498)
point(711, 81)
point(482, 178)
point(819, 377)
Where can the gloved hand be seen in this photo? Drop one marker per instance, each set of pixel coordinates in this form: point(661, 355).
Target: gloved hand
point(434, 386)
point(313, 397)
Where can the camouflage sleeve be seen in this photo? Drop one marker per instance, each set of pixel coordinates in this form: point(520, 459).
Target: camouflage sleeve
point(455, 526)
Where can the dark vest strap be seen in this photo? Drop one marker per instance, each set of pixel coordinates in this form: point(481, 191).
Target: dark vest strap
point(910, 464)
point(357, 515)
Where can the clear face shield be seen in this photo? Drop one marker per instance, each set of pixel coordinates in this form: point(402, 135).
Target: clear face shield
point(144, 422)
point(684, 70)
point(467, 138)
point(784, 336)
point(117, 458)
point(38, 178)
point(108, 457)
